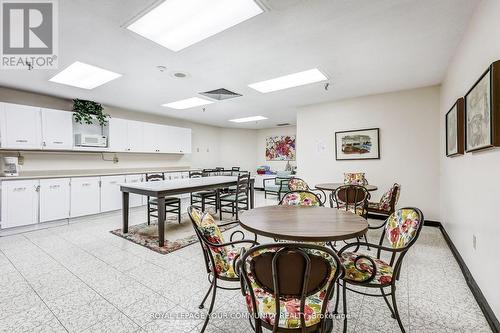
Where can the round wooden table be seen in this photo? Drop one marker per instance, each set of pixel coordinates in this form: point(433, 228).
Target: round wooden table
point(334, 186)
point(300, 223)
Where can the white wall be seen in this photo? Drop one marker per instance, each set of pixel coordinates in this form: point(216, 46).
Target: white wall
point(261, 146)
point(409, 137)
point(237, 148)
point(470, 184)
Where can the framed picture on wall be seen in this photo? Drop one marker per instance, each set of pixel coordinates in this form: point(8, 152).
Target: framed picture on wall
point(482, 111)
point(357, 144)
point(455, 129)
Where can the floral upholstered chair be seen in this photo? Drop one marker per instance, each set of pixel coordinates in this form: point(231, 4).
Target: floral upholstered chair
point(297, 184)
point(401, 231)
point(220, 256)
point(301, 198)
point(355, 178)
point(279, 280)
point(387, 204)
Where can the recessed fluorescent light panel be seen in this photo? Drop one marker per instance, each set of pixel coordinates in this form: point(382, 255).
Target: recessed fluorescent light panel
point(289, 81)
point(188, 103)
point(177, 24)
point(248, 119)
point(84, 76)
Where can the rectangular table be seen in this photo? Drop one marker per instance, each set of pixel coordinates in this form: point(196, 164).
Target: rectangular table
point(165, 188)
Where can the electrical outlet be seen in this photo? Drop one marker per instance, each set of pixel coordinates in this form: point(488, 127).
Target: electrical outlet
point(198, 149)
point(474, 242)
point(20, 160)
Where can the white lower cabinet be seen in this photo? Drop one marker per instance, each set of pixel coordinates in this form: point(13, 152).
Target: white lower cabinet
point(135, 200)
point(54, 199)
point(19, 203)
point(85, 196)
point(111, 196)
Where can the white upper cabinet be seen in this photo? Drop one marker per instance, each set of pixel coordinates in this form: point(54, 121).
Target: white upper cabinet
point(118, 134)
point(20, 126)
point(179, 140)
point(54, 199)
point(57, 129)
point(135, 136)
point(153, 141)
point(185, 140)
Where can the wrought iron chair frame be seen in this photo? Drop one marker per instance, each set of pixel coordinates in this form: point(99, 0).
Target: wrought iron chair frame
point(392, 205)
point(212, 274)
point(396, 261)
point(302, 191)
point(324, 324)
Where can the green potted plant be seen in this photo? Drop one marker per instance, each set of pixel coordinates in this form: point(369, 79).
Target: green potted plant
point(87, 111)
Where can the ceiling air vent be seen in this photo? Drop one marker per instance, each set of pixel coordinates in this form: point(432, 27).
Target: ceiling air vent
point(283, 124)
point(220, 94)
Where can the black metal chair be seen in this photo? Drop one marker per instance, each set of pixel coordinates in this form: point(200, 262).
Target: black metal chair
point(172, 204)
point(235, 171)
point(202, 199)
point(236, 199)
point(217, 253)
point(387, 204)
point(290, 277)
point(401, 231)
point(351, 198)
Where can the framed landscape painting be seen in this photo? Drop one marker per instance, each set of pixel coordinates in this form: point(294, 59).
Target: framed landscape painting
point(482, 111)
point(357, 144)
point(455, 129)
point(280, 148)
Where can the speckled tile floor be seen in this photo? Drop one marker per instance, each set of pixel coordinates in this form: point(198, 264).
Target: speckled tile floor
point(81, 278)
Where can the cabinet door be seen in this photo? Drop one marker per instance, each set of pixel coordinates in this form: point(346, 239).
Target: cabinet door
point(111, 196)
point(19, 203)
point(20, 126)
point(54, 199)
point(151, 141)
point(57, 129)
point(118, 134)
point(135, 136)
point(135, 200)
point(185, 140)
point(85, 196)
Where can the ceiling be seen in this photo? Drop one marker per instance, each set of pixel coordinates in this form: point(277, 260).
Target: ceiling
point(363, 46)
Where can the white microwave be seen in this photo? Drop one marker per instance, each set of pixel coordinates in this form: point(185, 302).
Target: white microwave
point(91, 140)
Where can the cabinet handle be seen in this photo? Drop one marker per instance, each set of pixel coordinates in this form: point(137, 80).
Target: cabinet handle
point(44, 144)
point(113, 182)
point(22, 141)
point(19, 189)
point(37, 188)
point(58, 142)
point(54, 186)
point(86, 184)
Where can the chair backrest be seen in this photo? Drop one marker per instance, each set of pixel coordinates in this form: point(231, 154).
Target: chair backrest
point(301, 198)
point(403, 227)
point(208, 233)
point(243, 184)
point(352, 198)
point(355, 178)
point(195, 174)
point(235, 169)
point(297, 184)
point(290, 271)
point(390, 199)
point(153, 177)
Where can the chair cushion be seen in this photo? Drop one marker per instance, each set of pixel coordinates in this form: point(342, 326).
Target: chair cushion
point(301, 198)
point(359, 210)
point(402, 227)
point(232, 197)
point(167, 200)
point(289, 306)
point(297, 184)
point(204, 193)
point(373, 205)
point(223, 256)
point(383, 270)
point(355, 178)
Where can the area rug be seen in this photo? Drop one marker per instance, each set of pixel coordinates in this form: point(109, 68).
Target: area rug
point(177, 235)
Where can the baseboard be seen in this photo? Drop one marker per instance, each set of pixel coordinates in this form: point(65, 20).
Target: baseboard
point(476, 291)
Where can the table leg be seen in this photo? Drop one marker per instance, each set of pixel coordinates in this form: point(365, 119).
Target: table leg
point(252, 194)
point(161, 221)
point(125, 209)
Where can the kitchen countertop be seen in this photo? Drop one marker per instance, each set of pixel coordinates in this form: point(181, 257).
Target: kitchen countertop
point(91, 173)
